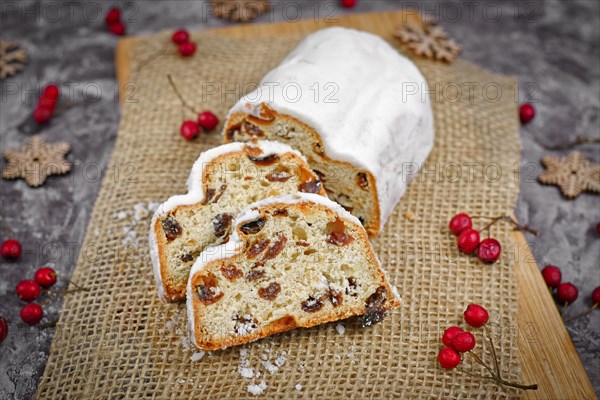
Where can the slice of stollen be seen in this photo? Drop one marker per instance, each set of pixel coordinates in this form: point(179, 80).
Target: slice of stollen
point(292, 261)
point(223, 180)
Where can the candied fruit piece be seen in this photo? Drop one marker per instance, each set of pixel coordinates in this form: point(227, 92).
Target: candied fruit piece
point(270, 292)
point(171, 228)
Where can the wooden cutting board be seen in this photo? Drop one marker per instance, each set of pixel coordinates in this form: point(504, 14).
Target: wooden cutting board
point(548, 356)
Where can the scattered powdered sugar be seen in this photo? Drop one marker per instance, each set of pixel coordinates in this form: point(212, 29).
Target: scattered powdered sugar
point(269, 361)
point(197, 356)
point(257, 389)
point(340, 329)
point(281, 359)
point(269, 366)
point(141, 213)
point(298, 387)
point(244, 368)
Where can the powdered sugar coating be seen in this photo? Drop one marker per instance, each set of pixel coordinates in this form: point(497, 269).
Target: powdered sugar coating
point(196, 191)
point(378, 116)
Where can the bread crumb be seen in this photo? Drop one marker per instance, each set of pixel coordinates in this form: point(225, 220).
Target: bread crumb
point(298, 387)
point(197, 356)
point(257, 389)
point(409, 216)
point(340, 329)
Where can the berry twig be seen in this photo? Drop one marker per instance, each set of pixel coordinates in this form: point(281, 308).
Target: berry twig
point(178, 94)
point(489, 337)
point(582, 314)
point(480, 362)
point(500, 380)
point(509, 219)
point(579, 140)
point(459, 341)
point(152, 58)
point(50, 324)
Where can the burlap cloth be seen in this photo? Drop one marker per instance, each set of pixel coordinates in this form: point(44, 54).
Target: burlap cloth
point(120, 341)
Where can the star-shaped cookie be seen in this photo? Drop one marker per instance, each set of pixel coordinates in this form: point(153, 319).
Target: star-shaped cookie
point(36, 160)
point(429, 40)
point(573, 174)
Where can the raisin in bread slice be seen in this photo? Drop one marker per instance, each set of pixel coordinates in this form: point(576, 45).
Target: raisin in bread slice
point(222, 182)
point(360, 113)
point(292, 261)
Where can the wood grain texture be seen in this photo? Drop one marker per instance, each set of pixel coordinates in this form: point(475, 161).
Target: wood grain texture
point(548, 356)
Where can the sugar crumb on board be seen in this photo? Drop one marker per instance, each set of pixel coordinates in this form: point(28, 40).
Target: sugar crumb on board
point(257, 389)
point(268, 361)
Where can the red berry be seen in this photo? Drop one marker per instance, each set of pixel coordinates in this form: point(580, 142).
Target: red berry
point(348, 3)
point(42, 115)
point(46, 277)
point(207, 120)
point(596, 296)
point(3, 329)
point(46, 102)
point(186, 49)
point(450, 334)
point(468, 241)
point(32, 313)
point(28, 290)
point(117, 29)
point(489, 250)
point(552, 276)
point(180, 36)
point(448, 358)
point(51, 91)
point(567, 293)
point(113, 17)
point(526, 112)
point(189, 130)
point(463, 342)
point(476, 316)
point(459, 223)
point(11, 249)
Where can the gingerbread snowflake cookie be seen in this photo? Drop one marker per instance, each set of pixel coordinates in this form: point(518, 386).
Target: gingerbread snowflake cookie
point(12, 58)
point(573, 174)
point(429, 40)
point(239, 10)
point(36, 160)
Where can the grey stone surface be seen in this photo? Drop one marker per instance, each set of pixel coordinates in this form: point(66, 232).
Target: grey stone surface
point(552, 46)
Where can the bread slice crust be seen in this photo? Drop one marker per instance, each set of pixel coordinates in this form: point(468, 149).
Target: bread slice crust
point(171, 273)
point(219, 277)
point(342, 178)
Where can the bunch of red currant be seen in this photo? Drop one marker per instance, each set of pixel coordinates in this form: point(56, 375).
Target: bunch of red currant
point(114, 23)
point(567, 293)
point(191, 129)
point(181, 38)
point(488, 250)
point(207, 121)
point(30, 289)
point(46, 104)
point(457, 341)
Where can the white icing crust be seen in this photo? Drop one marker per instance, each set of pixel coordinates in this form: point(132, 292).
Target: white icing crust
point(235, 244)
point(195, 186)
point(381, 120)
